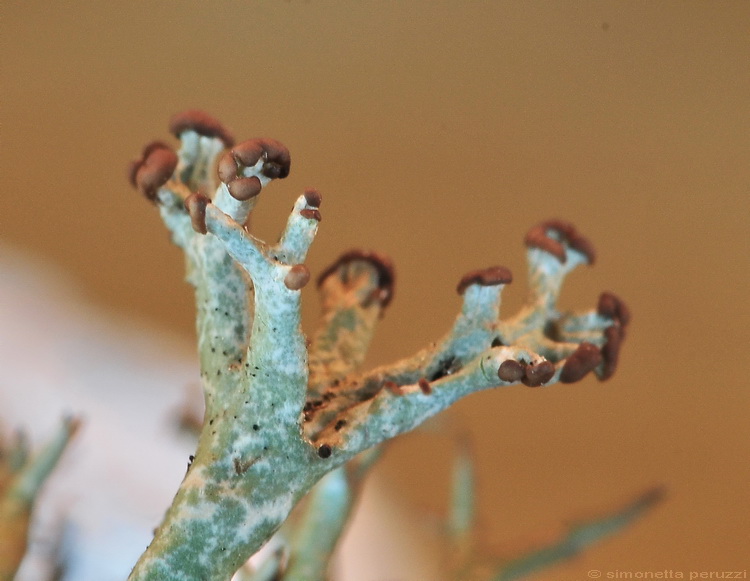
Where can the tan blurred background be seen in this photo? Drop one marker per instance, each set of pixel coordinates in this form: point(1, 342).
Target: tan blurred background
point(439, 132)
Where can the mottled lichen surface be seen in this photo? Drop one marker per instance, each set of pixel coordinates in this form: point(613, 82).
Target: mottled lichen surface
point(282, 412)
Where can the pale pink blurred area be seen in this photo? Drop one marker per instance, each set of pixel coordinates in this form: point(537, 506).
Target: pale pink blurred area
point(437, 133)
point(127, 382)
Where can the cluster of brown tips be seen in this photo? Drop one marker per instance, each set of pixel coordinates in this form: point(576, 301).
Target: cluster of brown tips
point(562, 232)
point(245, 168)
point(154, 168)
point(584, 359)
point(158, 160)
point(245, 155)
point(383, 266)
point(588, 357)
point(553, 236)
point(530, 374)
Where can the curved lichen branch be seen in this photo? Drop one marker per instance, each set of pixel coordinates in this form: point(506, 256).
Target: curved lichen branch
point(280, 415)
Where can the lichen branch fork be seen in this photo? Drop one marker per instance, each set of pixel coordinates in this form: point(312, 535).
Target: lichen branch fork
point(282, 411)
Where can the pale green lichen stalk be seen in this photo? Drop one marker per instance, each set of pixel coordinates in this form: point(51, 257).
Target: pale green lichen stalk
point(282, 413)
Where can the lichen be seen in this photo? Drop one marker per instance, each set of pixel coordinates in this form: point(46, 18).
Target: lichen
point(282, 413)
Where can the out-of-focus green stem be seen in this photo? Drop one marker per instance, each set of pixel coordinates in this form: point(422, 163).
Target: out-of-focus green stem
point(27, 475)
point(329, 508)
point(579, 537)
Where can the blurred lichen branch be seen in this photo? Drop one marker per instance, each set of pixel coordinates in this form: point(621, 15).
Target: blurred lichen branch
point(21, 477)
point(281, 412)
point(579, 536)
point(471, 560)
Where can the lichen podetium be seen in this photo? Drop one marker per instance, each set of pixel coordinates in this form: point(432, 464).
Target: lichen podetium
point(281, 413)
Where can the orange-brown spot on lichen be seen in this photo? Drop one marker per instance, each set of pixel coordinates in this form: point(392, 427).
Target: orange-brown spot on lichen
point(297, 277)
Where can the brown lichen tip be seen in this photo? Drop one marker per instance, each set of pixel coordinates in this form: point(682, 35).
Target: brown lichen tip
point(538, 374)
point(511, 371)
point(612, 307)
point(243, 189)
point(382, 265)
point(297, 277)
point(611, 351)
point(311, 214)
point(492, 276)
point(550, 235)
point(584, 359)
point(425, 386)
point(313, 198)
point(196, 204)
point(248, 153)
point(202, 123)
point(153, 169)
